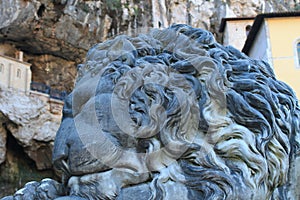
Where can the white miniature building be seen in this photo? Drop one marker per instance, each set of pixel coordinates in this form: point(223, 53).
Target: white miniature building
point(14, 73)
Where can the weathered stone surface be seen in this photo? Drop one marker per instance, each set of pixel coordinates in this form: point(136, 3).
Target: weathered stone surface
point(65, 29)
point(30, 121)
point(55, 35)
point(54, 71)
point(38, 27)
point(141, 192)
point(46, 189)
point(2, 144)
point(69, 28)
point(175, 115)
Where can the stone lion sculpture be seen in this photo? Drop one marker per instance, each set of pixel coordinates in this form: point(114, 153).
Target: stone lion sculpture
point(173, 115)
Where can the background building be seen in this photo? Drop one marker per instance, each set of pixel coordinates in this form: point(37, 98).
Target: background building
point(14, 73)
point(235, 31)
point(274, 37)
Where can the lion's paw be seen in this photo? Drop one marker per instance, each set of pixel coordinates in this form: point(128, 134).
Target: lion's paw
point(99, 185)
point(47, 189)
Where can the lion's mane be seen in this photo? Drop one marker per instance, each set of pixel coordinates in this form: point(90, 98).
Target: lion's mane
point(229, 124)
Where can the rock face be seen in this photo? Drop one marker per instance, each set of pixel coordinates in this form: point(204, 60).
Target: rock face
point(29, 120)
point(60, 32)
point(64, 29)
point(174, 115)
point(2, 144)
point(28, 123)
point(53, 71)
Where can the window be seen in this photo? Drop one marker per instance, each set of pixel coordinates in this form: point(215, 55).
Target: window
point(248, 29)
point(1, 68)
point(18, 73)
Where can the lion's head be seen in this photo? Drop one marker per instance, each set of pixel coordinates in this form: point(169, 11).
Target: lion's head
point(173, 111)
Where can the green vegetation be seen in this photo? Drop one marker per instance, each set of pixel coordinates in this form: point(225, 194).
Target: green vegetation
point(84, 7)
point(297, 7)
point(113, 4)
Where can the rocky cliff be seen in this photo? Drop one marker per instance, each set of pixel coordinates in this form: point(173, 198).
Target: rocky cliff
point(55, 36)
point(27, 131)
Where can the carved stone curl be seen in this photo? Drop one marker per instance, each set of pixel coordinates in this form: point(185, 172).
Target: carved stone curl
point(175, 115)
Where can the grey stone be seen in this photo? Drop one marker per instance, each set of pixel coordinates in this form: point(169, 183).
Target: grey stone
point(2, 144)
point(140, 192)
point(8, 198)
point(70, 198)
point(175, 115)
point(31, 123)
